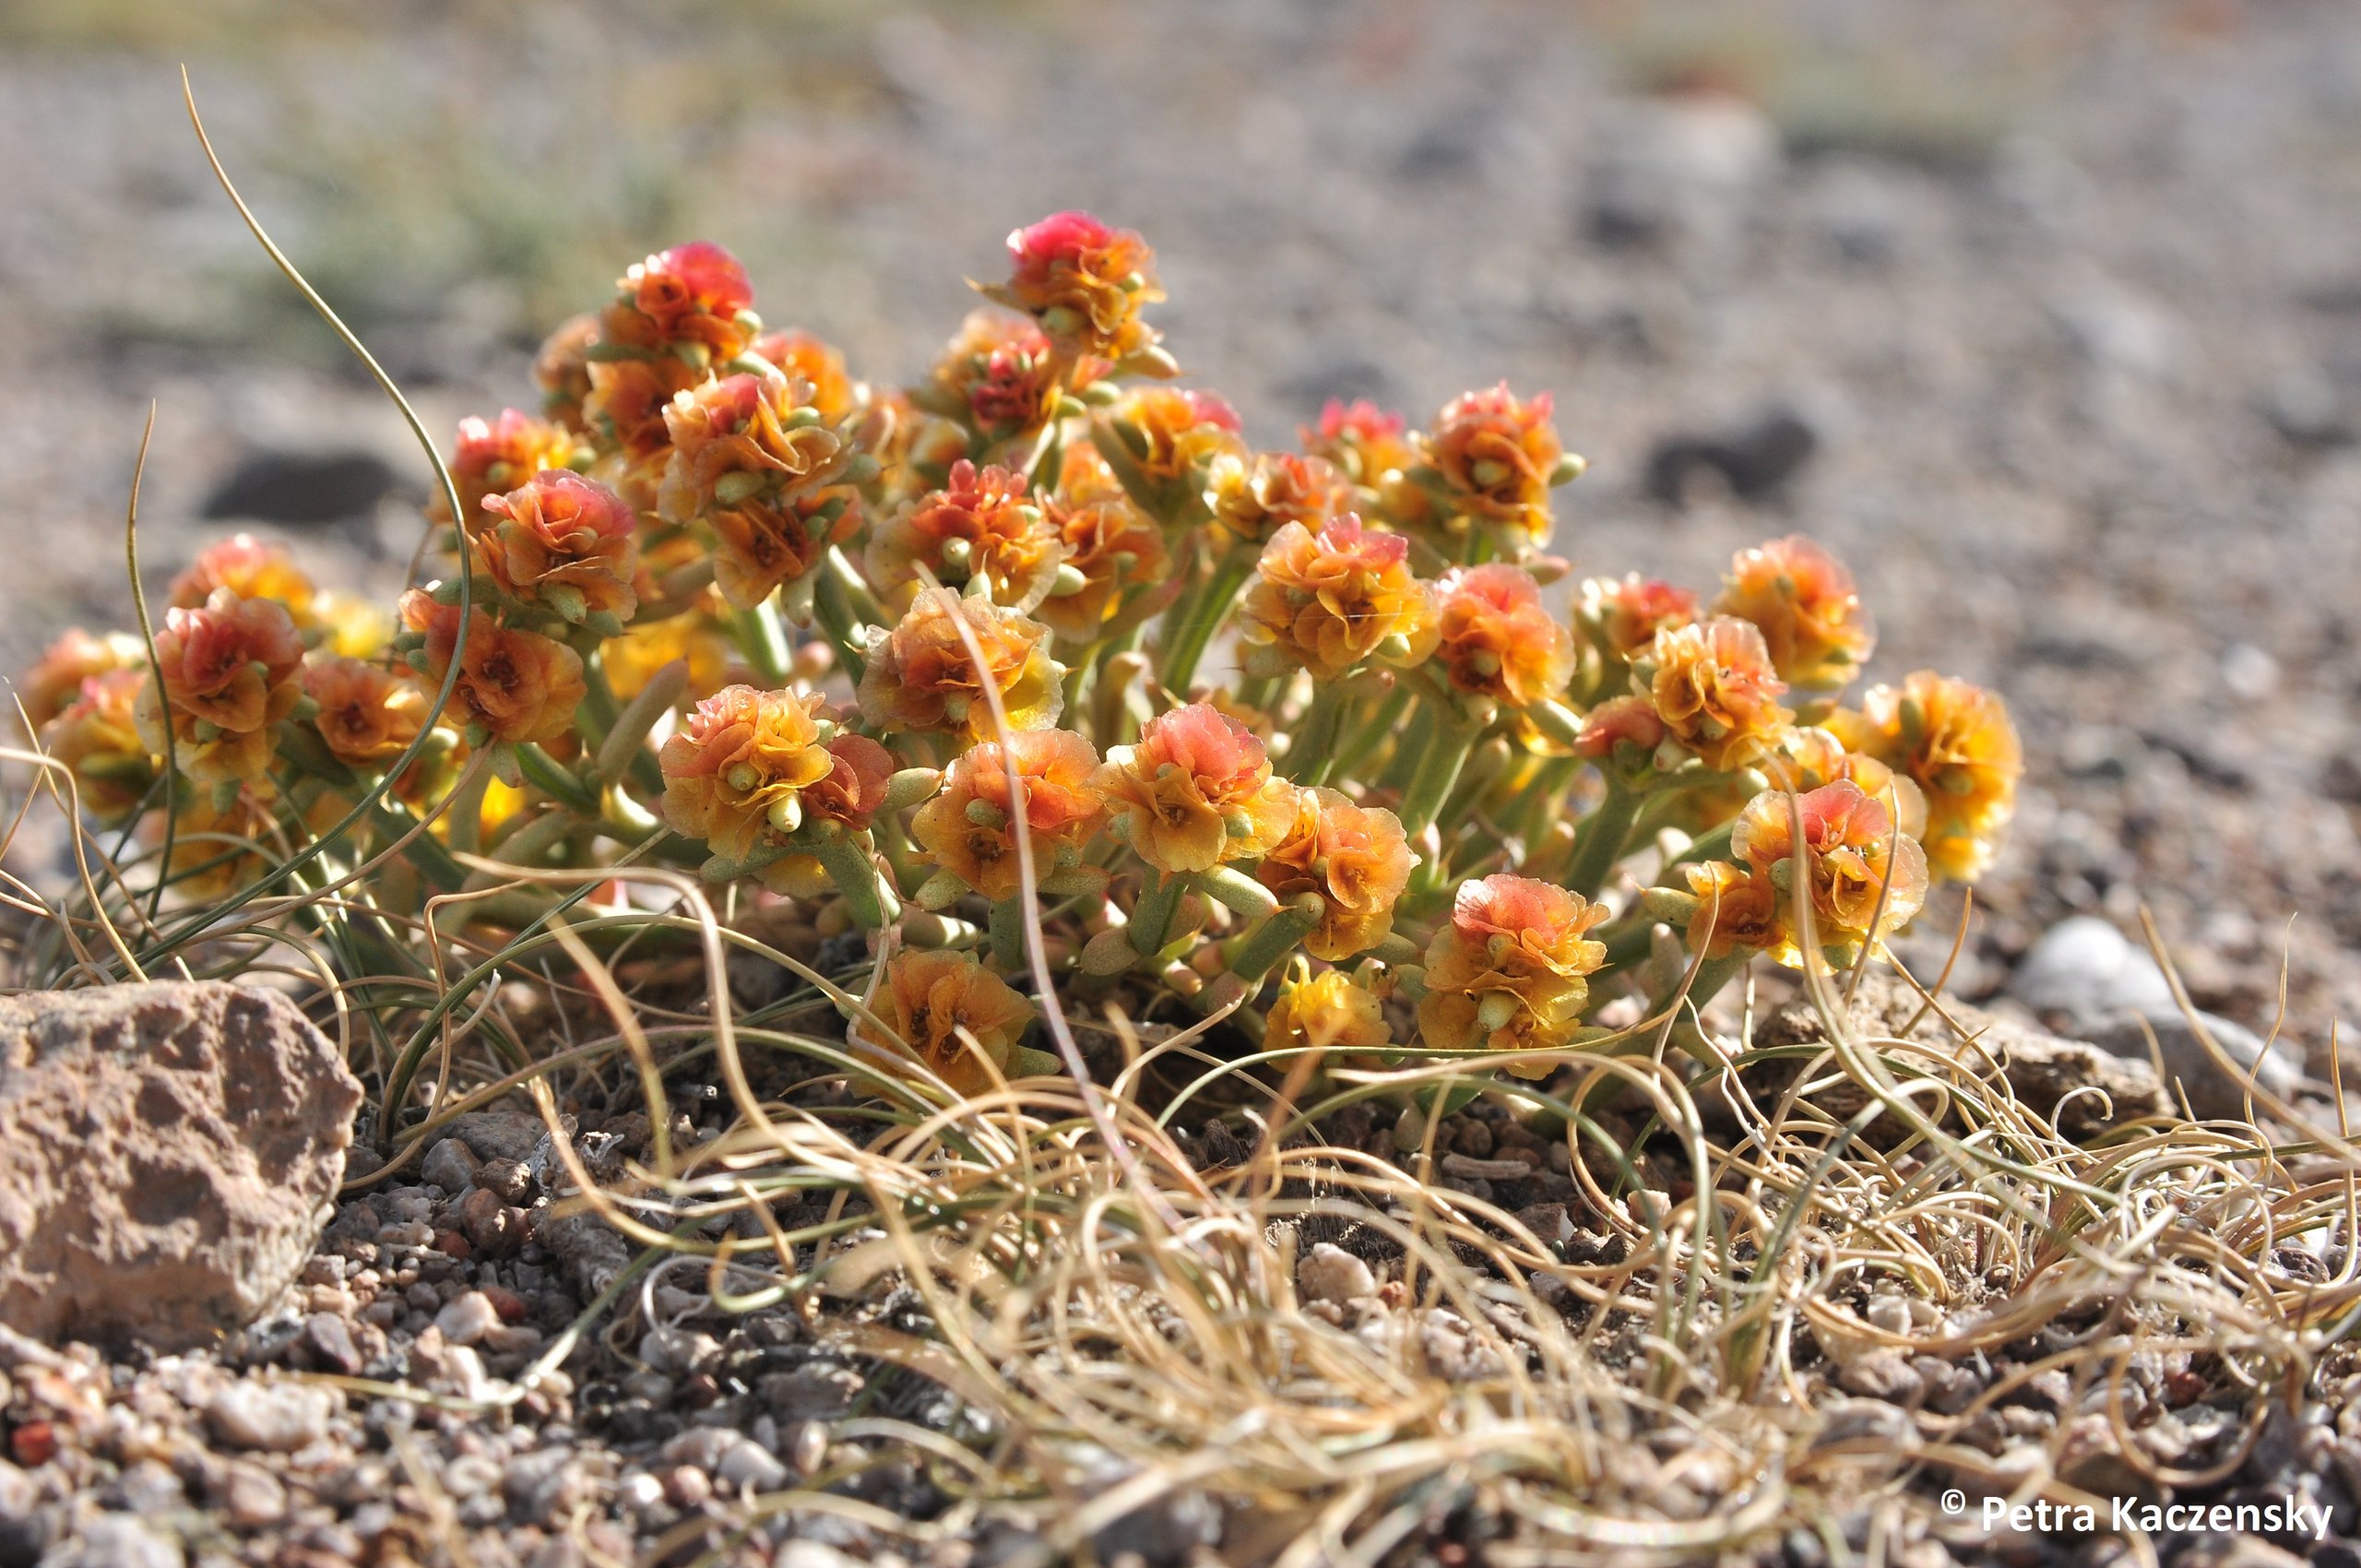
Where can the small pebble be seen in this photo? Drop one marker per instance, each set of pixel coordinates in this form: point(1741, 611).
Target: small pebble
point(469, 1318)
point(1331, 1274)
point(276, 1418)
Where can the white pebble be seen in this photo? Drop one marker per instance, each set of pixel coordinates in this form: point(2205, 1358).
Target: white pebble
point(1331, 1274)
point(468, 1317)
point(276, 1418)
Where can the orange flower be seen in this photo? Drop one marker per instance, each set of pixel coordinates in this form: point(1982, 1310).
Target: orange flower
point(952, 1014)
point(1615, 721)
point(626, 411)
point(1363, 442)
point(492, 459)
point(1326, 1012)
point(562, 369)
point(55, 683)
point(1354, 857)
point(1715, 690)
point(736, 772)
point(999, 373)
point(1251, 497)
point(1509, 971)
point(1854, 858)
point(1955, 739)
point(1109, 540)
point(1327, 602)
point(808, 359)
point(854, 791)
point(1810, 756)
point(368, 716)
point(1084, 282)
point(688, 300)
point(1169, 438)
point(1498, 458)
point(97, 735)
point(518, 685)
point(754, 460)
point(980, 524)
point(228, 674)
point(967, 830)
point(565, 540)
point(250, 568)
point(217, 848)
point(1736, 909)
point(921, 678)
point(1803, 601)
point(1498, 639)
point(1196, 791)
point(1626, 614)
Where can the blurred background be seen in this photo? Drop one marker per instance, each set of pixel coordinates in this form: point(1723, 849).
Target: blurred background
point(2046, 316)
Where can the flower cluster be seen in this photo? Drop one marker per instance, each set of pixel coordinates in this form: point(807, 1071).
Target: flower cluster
point(927, 662)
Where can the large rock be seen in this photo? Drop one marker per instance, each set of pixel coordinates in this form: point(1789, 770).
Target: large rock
point(2042, 1069)
point(168, 1154)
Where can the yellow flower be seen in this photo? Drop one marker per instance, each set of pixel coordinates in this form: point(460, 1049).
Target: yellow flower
point(1196, 791)
point(55, 683)
point(920, 676)
point(1114, 544)
point(1736, 907)
point(1509, 971)
point(1857, 860)
point(1327, 1012)
point(493, 457)
point(1498, 458)
point(1714, 688)
point(1084, 282)
point(952, 1014)
point(1252, 496)
point(1624, 614)
point(1354, 858)
point(250, 568)
point(981, 524)
point(1498, 639)
point(1956, 742)
point(1804, 602)
point(753, 459)
point(646, 647)
point(1328, 600)
point(740, 765)
point(97, 735)
point(218, 849)
point(969, 830)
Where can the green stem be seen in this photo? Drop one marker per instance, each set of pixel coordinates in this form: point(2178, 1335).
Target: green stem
point(832, 607)
point(1437, 771)
point(1008, 933)
point(871, 905)
point(762, 638)
point(1193, 622)
point(554, 779)
point(1600, 843)
point(1312, 757)
point(1371, 734)
point(1271, 942)
point(1152, 914)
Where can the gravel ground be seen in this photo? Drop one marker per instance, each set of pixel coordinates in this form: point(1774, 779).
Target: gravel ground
point(2047, 318)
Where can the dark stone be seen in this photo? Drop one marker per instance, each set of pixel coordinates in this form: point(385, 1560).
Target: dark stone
point(1756, 460)
point(302, 488)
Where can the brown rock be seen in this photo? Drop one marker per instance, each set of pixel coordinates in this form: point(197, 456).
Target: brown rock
point(2042, 1069)
point(168, 1154)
